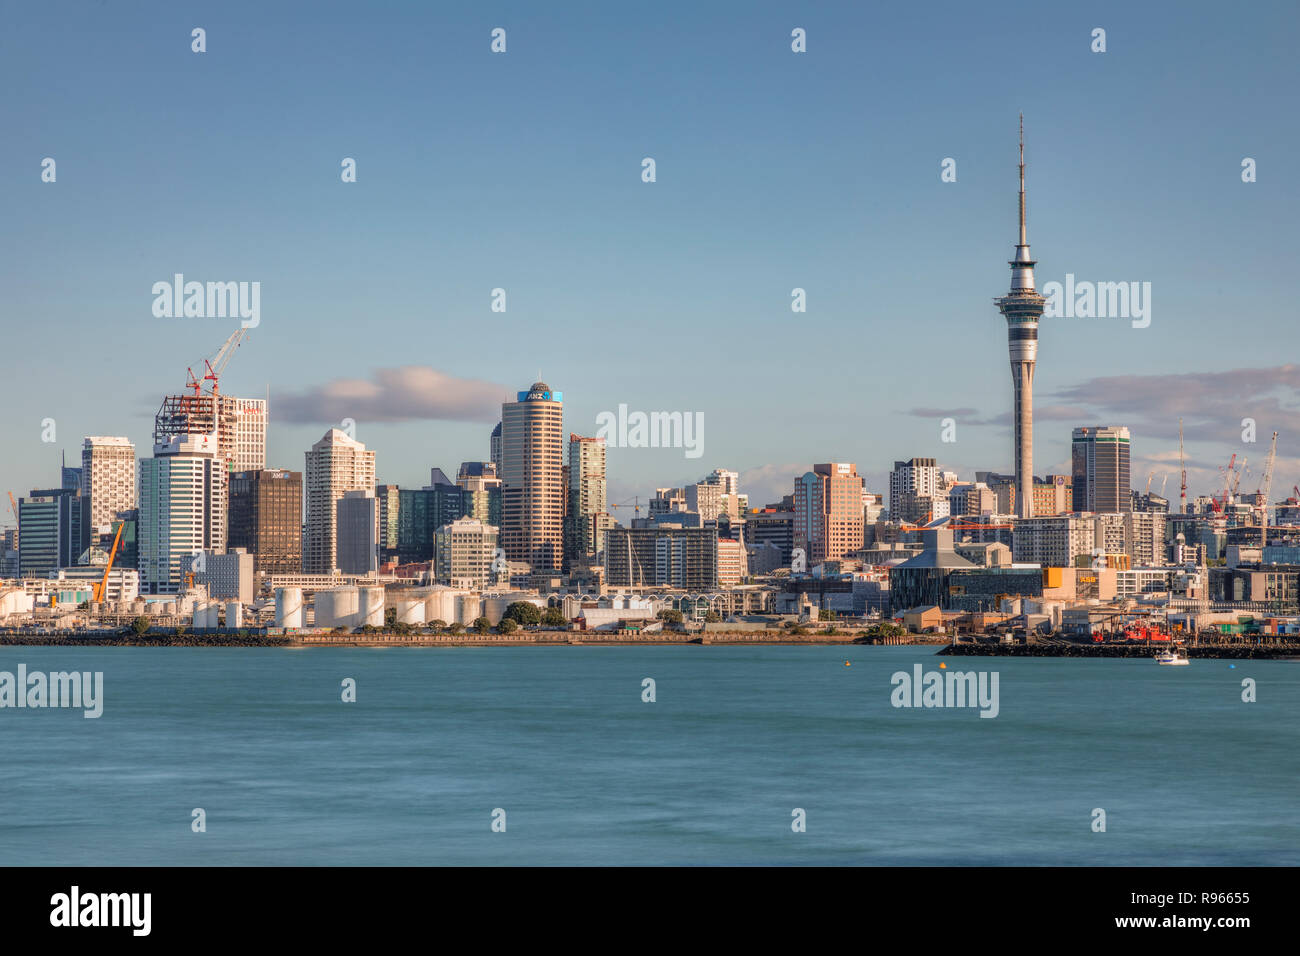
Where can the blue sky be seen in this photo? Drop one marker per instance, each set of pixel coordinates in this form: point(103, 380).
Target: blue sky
point(775, 170)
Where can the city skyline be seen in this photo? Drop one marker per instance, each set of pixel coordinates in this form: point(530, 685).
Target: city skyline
point(708, 254)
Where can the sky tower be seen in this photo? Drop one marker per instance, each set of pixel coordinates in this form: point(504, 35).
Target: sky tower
point(1022, 307)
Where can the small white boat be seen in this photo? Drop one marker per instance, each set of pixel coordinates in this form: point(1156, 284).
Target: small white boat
point(1174, 656)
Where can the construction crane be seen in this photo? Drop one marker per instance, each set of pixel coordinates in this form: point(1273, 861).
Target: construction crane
point(1221, 503)
point(98, 594)
point(634, 501)
point(1149, 477)
point(214, 366)
point(1267, 489)
point(1236, 481)
point(14, 505)
point(1164, 481)
point(1182, 464)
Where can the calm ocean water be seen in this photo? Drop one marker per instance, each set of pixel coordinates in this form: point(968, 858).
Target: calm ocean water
point(587, 773)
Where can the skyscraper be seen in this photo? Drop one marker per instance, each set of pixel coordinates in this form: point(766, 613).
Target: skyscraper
point(914, 492)
point(1099, 466)
point(532, 459)
point(238, 423)
point(266, 519)
point(336, 464)
point(50, 522)
point(182, 509)
point(355, 526)
point(107, 481)
point(587, 519)
point(1022, 307)
point(482, 485)
point(828, 519)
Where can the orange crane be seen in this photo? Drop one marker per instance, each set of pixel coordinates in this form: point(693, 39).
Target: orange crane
point(14, 505)
point(98, 594)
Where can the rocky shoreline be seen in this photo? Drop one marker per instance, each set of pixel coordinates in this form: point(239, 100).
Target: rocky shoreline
point(1065, 649)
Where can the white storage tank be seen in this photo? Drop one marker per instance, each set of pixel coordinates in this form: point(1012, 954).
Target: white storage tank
point(200, 618)
point(410, 610)
point(440, 605)
point(494, 609)
point(234, 615)
point(337, 607)
point(288, 607)
point(469, 608)
point(371, 609)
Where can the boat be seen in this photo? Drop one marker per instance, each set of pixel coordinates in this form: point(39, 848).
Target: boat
point(1174, 656)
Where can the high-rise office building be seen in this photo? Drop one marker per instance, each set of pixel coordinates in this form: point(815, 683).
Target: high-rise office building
point(266, 519)
point(464, 552)
point(772, 526)
point(662, 556)
point(705, 499)
point(356, 549)
point(335, 465)
point(494, 447)
point(828, 518)
point(70, 477)
point(587, 519)
point(182, 509)
point(1099, 464)
point(239, 425)
point(532, 459)
point(107, 481)
point(914, 492)
point(1053, 495)
point(481, 483)
point(422, 511)
point(50, 524)
point(389, 501)
point(1023, 307)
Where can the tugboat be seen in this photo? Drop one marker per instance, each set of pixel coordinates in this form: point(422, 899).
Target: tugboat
point(1174, 656)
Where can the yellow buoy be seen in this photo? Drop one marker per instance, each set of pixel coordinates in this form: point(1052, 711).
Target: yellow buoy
point(942, 666)
point(847, 664)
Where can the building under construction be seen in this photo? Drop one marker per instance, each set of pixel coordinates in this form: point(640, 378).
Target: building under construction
point(238, 423)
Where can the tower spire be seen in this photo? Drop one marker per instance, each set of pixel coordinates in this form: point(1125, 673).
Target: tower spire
point(1023, 240)
point(1023, 307)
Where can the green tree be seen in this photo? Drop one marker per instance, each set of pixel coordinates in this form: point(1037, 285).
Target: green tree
point(671, 616)
point(554, 617)
point(456, 629)
point(507, 625)
point(711, 617)
point(482, 625)
point(390, 616)
point(522, 612)
point(826, 614)
point(438, 625)
point(140, 625)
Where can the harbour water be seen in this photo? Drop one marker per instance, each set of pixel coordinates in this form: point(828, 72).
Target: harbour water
point(589, 773)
